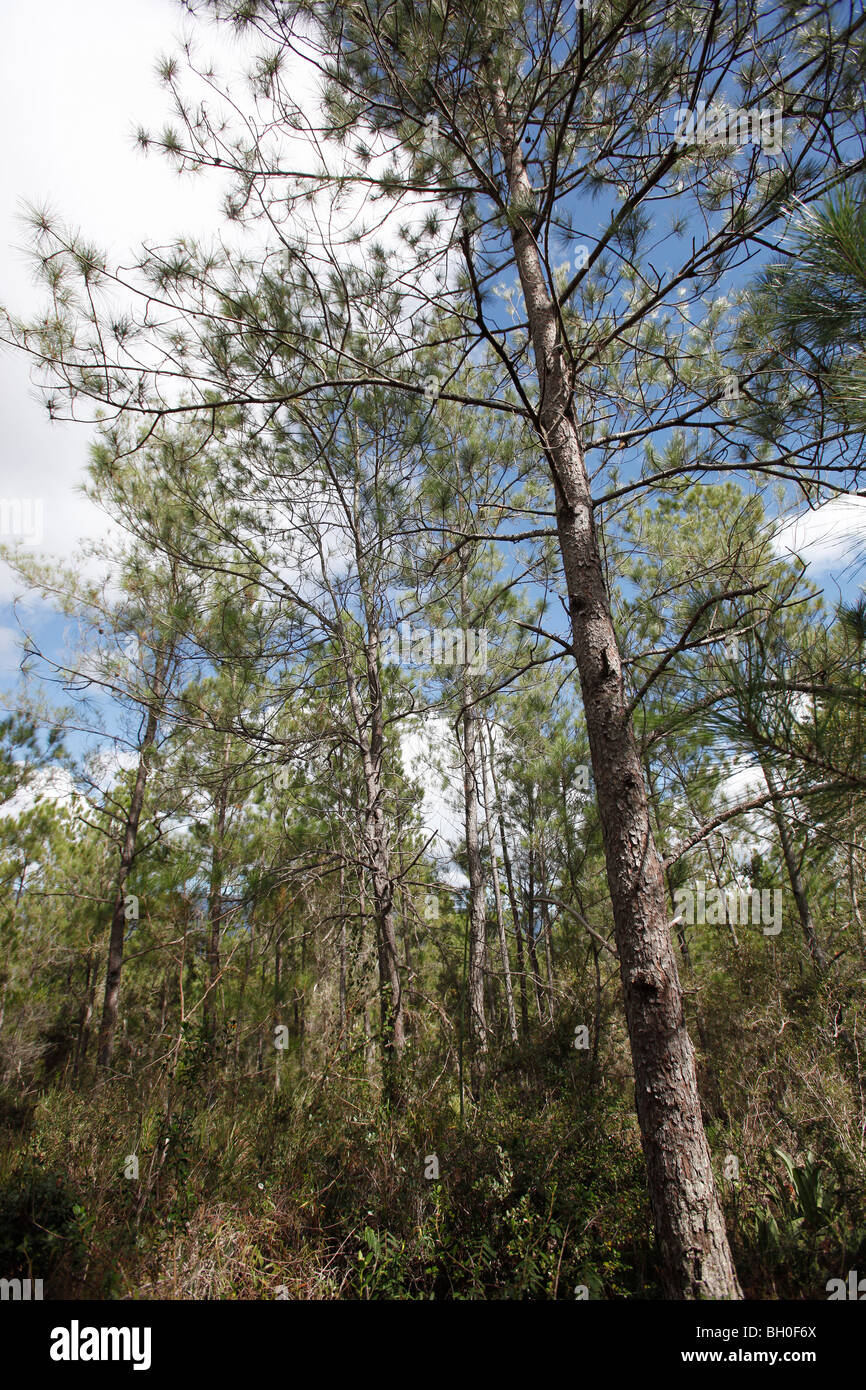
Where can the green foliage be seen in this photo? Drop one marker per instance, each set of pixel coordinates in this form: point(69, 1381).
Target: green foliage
point(44, 1230)
point(796, 1230)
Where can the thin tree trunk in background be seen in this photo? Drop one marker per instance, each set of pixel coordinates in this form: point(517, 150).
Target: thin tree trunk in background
point(405, 926)
point(370, 729)
point(530, 912)
point(238, 1022)
point(512, 898)
point(536, 974)
point(548, 945)
point(215, 899)
point(695, 1256)
point(163, 1002)
point(369, 1053)
point(728, 919)
point(371, 738)
point(301, 1004)
point(85, 1015)
point(798, 888)
point(596, 1022)
point(276, 1020)
point(493, 1010)
point(548, 960)
point(497, 897)
point(344, 1015)
point(118, 916)
point(477, 905)
point(344, 1019)
point(852, 883)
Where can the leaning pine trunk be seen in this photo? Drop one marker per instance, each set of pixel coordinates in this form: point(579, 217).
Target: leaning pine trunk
point(695, 1257)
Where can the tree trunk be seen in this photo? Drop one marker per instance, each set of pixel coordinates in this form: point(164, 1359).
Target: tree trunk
point(798, 888)
point(512, 898)
point(369, 726)
point(477, 905)
point(118, 916)
point(728, 920)
point(695, 1257)
point(215, 905)
point(85, 1017)
point(548, 945)
point(530, 911)
point(497, 898)
point(343, 963)
point(344, 1016)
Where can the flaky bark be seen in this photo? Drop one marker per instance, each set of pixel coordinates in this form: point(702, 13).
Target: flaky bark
point(695, 1256)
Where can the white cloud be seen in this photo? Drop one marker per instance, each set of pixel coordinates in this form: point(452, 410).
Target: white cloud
point(70, 86)
point(745, 781)
point(428, 757)
point(827, 535)
point(74, 82)
point(48, 784)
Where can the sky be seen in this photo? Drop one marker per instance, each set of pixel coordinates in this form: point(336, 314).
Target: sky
point(75, 82)
point(73, 87)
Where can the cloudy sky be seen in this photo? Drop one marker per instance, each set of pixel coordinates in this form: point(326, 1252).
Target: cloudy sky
point(75, 79)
